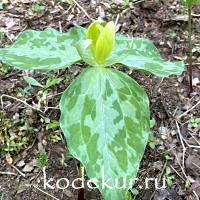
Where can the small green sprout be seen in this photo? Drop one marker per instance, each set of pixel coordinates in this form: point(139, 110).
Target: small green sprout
point(4, 68)
point(37, 7)
point(194, 122)
point(152, 139)
point(168, 176)
point(42, 160)
point(167, 155)
point(51, 81)
point(13, 135)
point(52, 124)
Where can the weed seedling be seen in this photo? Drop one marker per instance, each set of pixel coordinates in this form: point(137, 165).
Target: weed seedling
point(42, 160)
point(12, 135)
point(51, 81)
point(37, 7)
point(169, 177)
point(152, 139)
point(194, 122)
point(4, 68)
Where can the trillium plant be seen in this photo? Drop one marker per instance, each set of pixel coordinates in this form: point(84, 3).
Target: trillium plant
point(105, 114)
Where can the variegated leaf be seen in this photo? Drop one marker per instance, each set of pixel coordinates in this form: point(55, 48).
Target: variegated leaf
point(141, 54)
point(137, 54)
point(105, 119)
point(46, 50)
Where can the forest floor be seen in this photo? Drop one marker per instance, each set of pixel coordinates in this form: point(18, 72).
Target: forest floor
point(34, 137)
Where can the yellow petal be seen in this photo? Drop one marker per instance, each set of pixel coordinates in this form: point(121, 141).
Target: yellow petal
point(105, 42)
point(93, 33)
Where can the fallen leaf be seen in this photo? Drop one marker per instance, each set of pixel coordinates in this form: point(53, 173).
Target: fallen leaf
point(9, 159)
point(30, 166)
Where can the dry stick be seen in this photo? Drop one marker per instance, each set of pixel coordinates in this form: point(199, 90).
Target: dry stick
point(11, 97)
point(180, 166)
point(8, 173)
point(182, 143)
point(66, 11)
point(196, 165)
point(185, 113)
point(193, 64)
point(53, 108)
point(18, 171)
point(177, 172)
point(60, 26)
point(191, 146)
point(196, 195)
point(117, 19)
point(195, 15)
point(193, 137)
point(83, 10)
point(138, 2)
point(45, 193)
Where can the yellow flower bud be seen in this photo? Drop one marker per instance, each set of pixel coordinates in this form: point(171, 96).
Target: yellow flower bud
point(103, 40)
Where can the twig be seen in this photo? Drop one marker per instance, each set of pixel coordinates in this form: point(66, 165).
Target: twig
point(192, 64)
point(196, 195)
point(180, 166)
point(117, 19)
point(53, 108)
point(157, 87)
point(193, 137)
point(8, 173)
point(136, 2)
point(191, 146)
point(182, 143)
point(67, 11)
point(195, 15)
point(186, 112)
point(83, 10)
point(60, 26)
point(18, 171)
point(196, 165)
point(11, 97)
point(177, 172)
point(45, 192)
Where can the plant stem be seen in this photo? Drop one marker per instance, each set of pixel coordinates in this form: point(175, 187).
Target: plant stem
point(190, 47)
point(81, 190)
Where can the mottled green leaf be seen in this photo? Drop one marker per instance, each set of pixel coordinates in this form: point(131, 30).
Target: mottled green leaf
point(137, 54)
point(105, 119)
point(46, 50)
point(141, 54)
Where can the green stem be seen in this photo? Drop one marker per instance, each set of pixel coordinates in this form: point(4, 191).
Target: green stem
point(190, 46)
point(81, 190)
